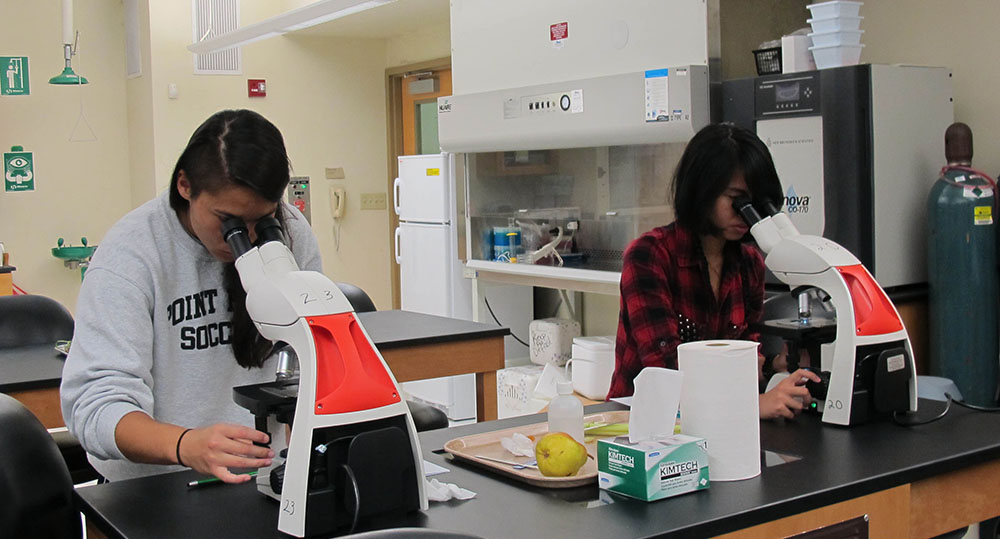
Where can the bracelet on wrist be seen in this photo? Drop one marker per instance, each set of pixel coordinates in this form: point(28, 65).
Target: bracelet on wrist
point(178, 451)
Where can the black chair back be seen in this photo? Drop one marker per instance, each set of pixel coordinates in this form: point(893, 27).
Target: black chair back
point(31, 319)
point(35, 484)
point(357, 297)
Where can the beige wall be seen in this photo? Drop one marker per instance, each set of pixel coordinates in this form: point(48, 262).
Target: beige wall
point(745, 24)
point(81, 188)
point(429, 43)
point(326, 95)
point(961, 35)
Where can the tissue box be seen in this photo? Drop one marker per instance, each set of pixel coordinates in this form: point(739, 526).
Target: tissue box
point(653, 470)
point(552, 340)
point(516, 391)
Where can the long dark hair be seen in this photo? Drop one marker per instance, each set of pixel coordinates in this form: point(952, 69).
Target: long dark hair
point(236, 147)
point(709, 162)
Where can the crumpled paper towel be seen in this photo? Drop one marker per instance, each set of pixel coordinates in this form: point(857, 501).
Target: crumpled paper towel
point(442, 492)
point(519, 444)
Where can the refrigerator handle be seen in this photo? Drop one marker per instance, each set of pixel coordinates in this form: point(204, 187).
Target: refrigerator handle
point(395, 195)
point(399, 259)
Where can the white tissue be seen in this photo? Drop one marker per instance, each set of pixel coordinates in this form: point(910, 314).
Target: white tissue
point(546, 387)
point(719, 403)
point(442, 492)
point(654, 404)
point(519, 444)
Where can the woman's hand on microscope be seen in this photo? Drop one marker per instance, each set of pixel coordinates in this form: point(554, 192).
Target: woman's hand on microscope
point(216, 448)
point(789, 397)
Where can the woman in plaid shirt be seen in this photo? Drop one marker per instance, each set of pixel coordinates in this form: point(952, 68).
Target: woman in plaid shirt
point(695, 279)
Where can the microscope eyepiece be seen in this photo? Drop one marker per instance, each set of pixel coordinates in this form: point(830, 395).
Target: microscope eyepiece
point(235, 234)
point(269, 229)
point(744, 206)
point(769, 206)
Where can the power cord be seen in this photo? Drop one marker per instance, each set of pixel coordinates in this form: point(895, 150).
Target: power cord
point(357, 496)
point(973, 406)
point(487, 301)
point(947, 407)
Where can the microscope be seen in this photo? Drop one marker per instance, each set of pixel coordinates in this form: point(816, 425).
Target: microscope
point(870, 371)
point(353, 450)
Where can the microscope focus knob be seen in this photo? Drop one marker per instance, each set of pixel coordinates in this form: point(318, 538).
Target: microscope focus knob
point(818, 389)
point(277, 479)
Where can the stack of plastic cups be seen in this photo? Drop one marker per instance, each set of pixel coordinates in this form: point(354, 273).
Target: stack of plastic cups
point(836, 33)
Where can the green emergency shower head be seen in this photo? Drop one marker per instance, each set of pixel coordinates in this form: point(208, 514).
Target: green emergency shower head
point(68, 77)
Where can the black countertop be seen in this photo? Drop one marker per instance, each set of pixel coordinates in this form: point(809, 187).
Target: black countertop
point(393, 329)
point(40, 366)
point(836, 464)
point(30, 367)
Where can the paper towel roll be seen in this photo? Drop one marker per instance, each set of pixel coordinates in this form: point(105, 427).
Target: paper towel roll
point(719, 403)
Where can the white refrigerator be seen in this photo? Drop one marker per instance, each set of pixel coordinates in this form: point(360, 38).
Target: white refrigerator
point(430, 273)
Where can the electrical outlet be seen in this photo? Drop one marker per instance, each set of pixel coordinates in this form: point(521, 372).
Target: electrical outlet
point(372, 201)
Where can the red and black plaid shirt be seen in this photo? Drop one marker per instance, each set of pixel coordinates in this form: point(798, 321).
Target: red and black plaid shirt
point(667, 299)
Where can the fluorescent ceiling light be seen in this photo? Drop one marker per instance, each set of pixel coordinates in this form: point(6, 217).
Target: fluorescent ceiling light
point(296, 19)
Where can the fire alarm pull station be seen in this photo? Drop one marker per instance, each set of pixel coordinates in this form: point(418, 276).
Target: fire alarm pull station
point(256, 88)
point(298, 195)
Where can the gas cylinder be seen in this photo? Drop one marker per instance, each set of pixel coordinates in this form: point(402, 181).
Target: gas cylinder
point(962, 273)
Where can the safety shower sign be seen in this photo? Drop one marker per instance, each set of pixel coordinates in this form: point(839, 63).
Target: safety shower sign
point(14, 75)
point(18, 170)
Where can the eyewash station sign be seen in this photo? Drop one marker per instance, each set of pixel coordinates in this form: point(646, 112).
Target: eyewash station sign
point(18, 170)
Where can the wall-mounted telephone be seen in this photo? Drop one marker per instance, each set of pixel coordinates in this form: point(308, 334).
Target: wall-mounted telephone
point(338, 202)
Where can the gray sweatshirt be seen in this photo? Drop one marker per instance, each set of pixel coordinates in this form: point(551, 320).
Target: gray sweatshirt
point(152, 334)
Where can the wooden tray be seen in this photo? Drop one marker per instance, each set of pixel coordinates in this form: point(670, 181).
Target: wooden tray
point(488, 444)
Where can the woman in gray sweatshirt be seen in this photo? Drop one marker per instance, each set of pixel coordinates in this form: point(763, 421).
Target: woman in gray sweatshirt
point(162, 333)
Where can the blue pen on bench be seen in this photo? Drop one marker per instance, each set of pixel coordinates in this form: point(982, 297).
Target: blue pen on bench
point(209, 480)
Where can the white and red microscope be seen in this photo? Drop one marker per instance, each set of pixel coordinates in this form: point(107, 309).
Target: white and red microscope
point(870, 372)
point(353, 451)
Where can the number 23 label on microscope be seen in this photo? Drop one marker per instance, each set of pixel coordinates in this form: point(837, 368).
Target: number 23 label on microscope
point(289, 507)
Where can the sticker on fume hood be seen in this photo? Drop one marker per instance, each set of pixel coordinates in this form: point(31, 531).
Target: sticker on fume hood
point(558, 34)
point(657, 102)
point(511, 108)
point(983, 215)
point(444, 106)
point(576, 101)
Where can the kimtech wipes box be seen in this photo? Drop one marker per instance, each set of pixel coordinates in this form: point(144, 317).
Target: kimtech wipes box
point(653, 470)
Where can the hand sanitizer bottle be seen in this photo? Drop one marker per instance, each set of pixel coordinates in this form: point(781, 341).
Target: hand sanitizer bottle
point(566, 412)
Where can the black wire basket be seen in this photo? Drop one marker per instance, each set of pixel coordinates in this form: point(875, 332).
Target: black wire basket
point(768, 60)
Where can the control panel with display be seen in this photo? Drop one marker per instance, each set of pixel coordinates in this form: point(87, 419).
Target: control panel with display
point(788, 95)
